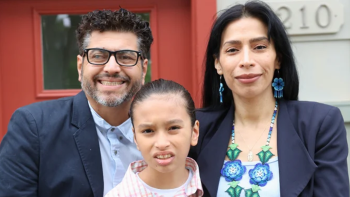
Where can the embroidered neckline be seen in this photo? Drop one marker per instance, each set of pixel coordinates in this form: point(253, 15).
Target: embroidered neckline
point(233, 170)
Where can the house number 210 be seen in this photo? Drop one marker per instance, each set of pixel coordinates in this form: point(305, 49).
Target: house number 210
point(310, 17)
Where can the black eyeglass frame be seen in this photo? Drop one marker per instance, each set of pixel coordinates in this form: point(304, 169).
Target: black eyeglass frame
point(112, 53)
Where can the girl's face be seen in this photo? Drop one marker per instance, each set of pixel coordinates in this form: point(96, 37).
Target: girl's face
point(247, 58)
point(163, 132)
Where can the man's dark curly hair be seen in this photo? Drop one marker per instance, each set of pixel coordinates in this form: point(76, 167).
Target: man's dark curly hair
point(120, 20)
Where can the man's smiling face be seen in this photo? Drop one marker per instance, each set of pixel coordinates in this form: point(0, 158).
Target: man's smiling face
point(111, 84)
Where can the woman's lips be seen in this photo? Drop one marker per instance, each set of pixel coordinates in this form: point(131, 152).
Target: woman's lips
point(248, 78)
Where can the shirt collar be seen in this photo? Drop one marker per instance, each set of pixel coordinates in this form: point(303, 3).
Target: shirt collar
point(125, 128)
point(193, 187)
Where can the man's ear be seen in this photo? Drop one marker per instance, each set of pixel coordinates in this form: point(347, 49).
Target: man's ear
point(79, 66)
point(195, 133)
point(217, 66)
point(144, 70)
point(137, 146)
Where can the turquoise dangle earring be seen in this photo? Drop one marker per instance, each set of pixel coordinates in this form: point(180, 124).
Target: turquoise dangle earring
point(278, 85)
point(221, 89)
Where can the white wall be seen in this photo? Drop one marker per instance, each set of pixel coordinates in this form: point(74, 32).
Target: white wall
point(323, 60)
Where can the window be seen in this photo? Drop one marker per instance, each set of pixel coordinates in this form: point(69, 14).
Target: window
point(60, 50)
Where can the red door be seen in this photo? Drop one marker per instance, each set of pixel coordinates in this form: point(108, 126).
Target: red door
point(180, 29)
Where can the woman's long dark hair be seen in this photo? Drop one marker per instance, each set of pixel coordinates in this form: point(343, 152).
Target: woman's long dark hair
point(276, 32)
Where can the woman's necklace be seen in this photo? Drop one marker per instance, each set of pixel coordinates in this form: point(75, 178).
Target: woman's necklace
point(233, 170)
point(250, 153)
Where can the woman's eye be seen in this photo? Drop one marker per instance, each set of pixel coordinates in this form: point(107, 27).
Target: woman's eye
point(231, 50)
point(260, 47)
point(147, 131)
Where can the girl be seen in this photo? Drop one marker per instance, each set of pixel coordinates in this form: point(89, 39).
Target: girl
point(164, 126)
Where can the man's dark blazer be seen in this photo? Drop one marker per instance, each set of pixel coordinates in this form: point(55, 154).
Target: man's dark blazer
point(51, 149)
point(311, 144)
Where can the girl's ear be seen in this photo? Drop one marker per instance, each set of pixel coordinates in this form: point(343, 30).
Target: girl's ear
point(137, 146)
point(195, 133)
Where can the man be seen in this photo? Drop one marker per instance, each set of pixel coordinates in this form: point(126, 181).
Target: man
point(82, 145)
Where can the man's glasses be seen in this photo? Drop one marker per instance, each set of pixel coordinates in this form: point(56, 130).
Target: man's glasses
point(97, 56)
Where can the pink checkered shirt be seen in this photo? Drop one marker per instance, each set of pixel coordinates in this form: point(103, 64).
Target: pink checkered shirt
point(131, 186)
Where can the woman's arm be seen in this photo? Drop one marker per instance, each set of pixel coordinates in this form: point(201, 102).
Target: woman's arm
point(331, 175)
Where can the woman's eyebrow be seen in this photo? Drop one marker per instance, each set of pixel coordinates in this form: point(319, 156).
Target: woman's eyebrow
point(258, 39)
point(232, 42)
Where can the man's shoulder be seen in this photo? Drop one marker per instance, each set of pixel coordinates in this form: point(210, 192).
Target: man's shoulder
point(49, 105)
point(55, 109)
point(53, 115)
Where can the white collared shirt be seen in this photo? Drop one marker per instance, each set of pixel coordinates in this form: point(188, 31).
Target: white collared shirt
point(117, 150)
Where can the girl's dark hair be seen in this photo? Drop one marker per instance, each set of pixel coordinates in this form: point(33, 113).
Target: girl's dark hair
point(162, 86)
point(275, 31)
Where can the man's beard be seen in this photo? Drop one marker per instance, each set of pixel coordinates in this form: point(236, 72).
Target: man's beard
point(109, 99)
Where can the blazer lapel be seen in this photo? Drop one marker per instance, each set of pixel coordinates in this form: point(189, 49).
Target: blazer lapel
point(86, 140)
point(211, 158)
point(295, 164)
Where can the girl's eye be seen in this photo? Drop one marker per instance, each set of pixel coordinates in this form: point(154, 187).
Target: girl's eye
point(260, 47)
point(147, 131)
point(174, 128)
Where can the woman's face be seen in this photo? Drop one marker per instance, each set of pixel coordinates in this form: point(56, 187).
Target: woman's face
point(247, 58)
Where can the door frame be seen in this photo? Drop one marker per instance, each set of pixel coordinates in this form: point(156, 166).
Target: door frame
point(203, 14)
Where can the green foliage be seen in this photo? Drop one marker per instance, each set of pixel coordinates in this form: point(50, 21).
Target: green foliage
point(59, 51)
point(265, 156)
point(265, 148)
point(233, 146)
point(234, 192)
point(255, 188)
point(250, 193)
point(234, 184)
point(233, 154)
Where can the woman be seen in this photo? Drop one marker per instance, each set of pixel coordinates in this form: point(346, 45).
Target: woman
point(255, 138)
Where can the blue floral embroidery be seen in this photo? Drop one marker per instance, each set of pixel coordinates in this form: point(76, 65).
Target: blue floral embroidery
point(278, 84)
point(260, 174)
point(233, 170)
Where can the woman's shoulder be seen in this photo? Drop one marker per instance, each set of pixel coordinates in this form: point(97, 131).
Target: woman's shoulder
point(310, 113)
point(212, 114)
point(307, 107)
